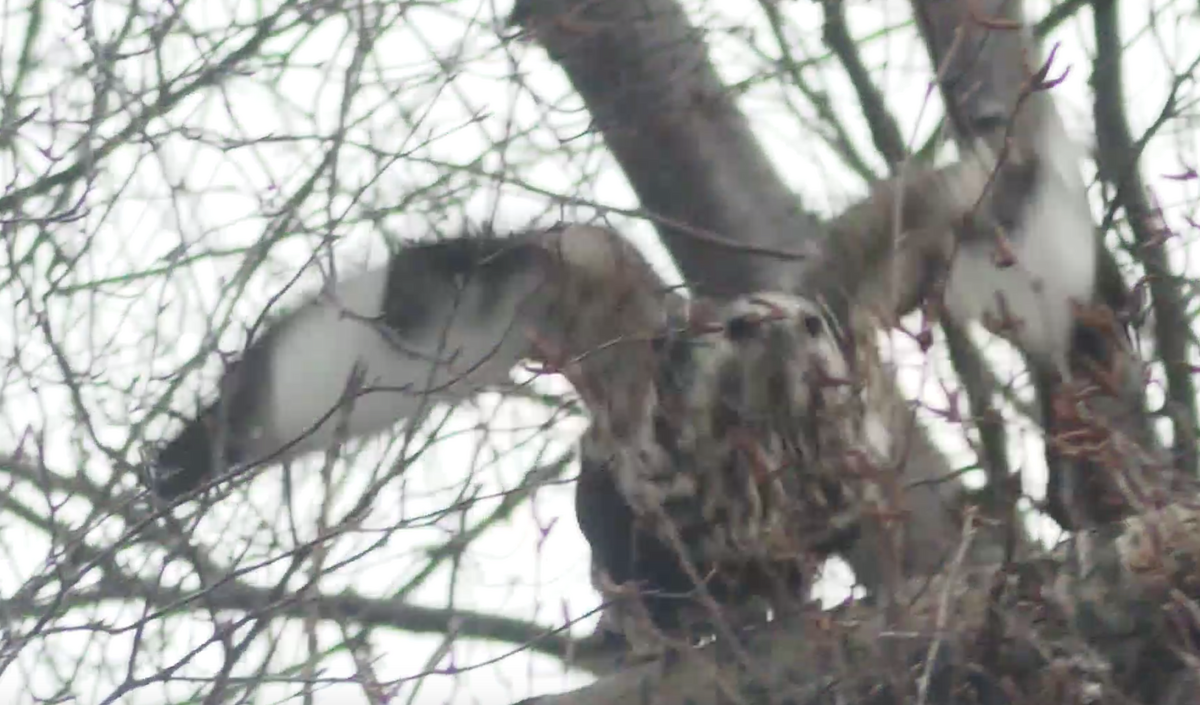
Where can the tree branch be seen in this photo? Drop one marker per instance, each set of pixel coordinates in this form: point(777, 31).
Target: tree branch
point(224, 591)
point(342, 608)
point(687, 150)
point(965, 357)
point(1117, 156)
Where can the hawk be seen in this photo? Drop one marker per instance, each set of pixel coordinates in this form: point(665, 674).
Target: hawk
point(728, 440)
point(718, 431)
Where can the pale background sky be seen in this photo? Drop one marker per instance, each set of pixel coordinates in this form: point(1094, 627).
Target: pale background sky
point(197, 193)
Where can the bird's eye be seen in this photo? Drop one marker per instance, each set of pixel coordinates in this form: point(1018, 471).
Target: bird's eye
point(814, 325)
point(741, 328)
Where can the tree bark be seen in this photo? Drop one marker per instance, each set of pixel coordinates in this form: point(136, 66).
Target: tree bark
point(687, 150)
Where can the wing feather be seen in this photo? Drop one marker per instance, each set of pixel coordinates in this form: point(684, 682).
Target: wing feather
point(440, 323)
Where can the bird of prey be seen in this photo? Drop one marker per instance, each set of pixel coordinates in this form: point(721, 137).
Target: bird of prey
point(728, 440)
point(718, 430)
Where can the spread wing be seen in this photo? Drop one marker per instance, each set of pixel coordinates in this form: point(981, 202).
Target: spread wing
point(441, 322)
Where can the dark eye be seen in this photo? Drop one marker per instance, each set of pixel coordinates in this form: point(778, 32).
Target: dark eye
point(814, 325)
point(741, 328)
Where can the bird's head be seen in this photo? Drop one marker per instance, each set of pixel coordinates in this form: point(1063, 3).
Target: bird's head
point(768, 361)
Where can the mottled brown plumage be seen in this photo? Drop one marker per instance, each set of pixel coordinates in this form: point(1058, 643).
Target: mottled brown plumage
point(731, 442)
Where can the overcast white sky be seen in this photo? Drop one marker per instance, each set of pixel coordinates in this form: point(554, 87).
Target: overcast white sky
point(195, 193)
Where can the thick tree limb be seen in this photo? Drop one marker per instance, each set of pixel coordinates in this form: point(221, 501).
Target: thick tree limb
point(687, 150)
